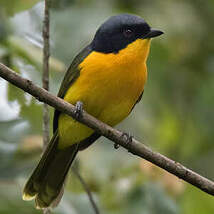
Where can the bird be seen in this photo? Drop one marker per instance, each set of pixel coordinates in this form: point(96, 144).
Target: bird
point(107, 80)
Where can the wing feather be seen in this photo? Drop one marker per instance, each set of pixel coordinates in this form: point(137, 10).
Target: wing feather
point(70, 77)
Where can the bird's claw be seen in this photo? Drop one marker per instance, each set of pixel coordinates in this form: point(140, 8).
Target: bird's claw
point(116, 146)
point(78, 109)
point(126, 137)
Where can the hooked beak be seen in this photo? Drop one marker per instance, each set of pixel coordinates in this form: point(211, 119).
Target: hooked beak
point(153, 33)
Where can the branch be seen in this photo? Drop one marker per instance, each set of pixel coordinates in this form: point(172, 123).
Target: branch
point(135, 147)
point(45, 76)
point(45, 79)
point(76, 172)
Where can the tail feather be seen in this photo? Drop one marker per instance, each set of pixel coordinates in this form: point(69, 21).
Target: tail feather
point(46, 182)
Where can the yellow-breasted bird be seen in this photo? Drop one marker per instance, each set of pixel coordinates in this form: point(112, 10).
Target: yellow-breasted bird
point(108, 78)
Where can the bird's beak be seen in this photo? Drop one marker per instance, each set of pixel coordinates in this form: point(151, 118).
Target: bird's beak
point(153, 33)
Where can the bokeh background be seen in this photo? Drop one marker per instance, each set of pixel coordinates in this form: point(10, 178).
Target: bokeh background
point(175, 116)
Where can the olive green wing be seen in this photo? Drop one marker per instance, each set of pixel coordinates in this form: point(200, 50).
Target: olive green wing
point(70, 77)
point(73, 72)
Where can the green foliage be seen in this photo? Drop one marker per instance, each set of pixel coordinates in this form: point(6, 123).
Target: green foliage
point(175, 116)
point(202, 202)
point(11, 7)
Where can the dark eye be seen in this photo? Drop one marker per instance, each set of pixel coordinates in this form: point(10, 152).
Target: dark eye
point(128, 33)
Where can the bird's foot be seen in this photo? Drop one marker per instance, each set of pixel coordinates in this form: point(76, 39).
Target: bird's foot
point(78, 109)
point(126, 137)
point(116, 146)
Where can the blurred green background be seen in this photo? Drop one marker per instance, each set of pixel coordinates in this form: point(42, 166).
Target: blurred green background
point(175, 116)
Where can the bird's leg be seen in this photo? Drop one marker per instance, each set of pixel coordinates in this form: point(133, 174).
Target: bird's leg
point(125, 136)
point(78, 109)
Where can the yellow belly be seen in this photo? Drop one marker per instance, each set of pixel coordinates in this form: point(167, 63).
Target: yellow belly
point(109, 85)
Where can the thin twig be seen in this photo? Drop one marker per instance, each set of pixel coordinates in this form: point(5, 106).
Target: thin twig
point(135, 147)
point(45, 79)
point(45, 76)
point(87, 190)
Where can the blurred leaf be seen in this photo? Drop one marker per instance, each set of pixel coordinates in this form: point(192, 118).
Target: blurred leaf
point(32, 54)
point(14, 6)
point(33, 114)
point(7, 151)
point(62, 4)
point(16, 94)
point(31, 144)
point(11, 200)
point(12, 130)
point(170, 183)
point(195, 201)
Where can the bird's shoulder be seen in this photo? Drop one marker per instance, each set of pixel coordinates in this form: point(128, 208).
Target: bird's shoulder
point(73, 71)
point(70, 77)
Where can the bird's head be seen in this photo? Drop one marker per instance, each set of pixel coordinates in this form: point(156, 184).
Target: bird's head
point(119, 31)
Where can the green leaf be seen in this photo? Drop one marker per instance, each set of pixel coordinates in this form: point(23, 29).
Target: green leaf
point(11, 7)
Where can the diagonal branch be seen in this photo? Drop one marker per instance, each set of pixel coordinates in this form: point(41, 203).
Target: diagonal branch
point(135, 147)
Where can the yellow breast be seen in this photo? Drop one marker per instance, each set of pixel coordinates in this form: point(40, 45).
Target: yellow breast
point(109, 86)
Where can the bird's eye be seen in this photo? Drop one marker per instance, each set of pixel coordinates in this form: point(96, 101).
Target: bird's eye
point(128, 33)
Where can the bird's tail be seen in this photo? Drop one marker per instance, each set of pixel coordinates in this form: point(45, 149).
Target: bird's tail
point(47, 180)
